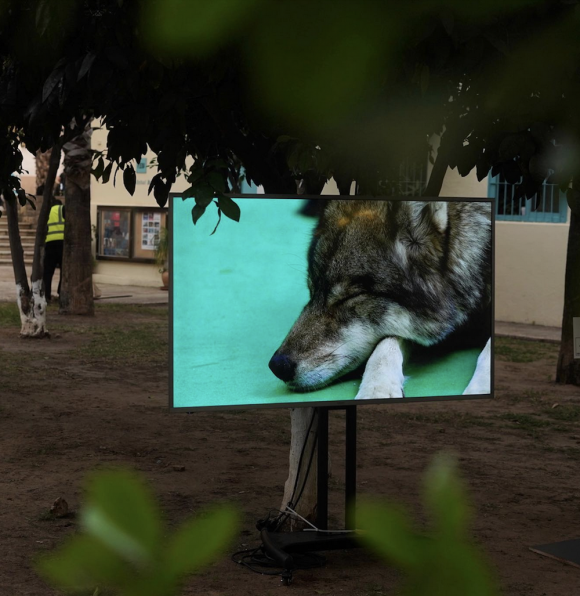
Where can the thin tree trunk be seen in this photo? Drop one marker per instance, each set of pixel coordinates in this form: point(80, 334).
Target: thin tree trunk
point(568, 371)
point(31, 299)
point(76, 296)
point(42, 164)
point(433, 188)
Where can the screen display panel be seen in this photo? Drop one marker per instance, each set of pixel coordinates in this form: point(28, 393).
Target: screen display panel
point(330, 301)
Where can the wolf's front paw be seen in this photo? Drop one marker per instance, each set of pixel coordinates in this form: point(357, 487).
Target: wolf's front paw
point(390, 388)
point(480, 383)
point(383, 377)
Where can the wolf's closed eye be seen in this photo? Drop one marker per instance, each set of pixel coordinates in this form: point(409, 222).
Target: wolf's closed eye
point(336, 300)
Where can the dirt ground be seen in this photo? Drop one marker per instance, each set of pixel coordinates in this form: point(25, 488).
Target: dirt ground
point(96, 394)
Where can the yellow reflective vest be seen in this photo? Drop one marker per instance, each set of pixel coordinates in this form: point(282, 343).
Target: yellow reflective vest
point(55, 224)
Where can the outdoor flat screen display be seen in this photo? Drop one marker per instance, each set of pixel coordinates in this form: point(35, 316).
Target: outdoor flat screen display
point(366, 301)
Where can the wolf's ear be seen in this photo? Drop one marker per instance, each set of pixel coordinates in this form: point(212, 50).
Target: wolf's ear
point(439, 215)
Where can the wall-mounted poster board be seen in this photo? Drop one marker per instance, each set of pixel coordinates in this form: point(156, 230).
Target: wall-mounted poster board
point(282, 309)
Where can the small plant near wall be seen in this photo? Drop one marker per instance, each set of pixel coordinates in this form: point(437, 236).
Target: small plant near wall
point(162, 256)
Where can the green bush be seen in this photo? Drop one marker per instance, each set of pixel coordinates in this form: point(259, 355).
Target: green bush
point(124, 548)
point(443, 561)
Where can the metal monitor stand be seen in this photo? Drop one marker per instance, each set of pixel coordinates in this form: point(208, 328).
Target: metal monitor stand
point(280, 546)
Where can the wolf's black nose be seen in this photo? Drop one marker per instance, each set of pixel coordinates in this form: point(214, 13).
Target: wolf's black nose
point(283, 367)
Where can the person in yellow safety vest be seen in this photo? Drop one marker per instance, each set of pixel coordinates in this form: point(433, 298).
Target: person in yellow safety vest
point(53, 246)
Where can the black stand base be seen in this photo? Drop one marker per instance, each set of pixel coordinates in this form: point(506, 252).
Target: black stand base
point(279, 546)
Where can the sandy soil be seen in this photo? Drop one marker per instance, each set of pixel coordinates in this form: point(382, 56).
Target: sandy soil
point(96, 395)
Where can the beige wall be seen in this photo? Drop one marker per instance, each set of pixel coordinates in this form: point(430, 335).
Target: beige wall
point(529, 272)
point(125, 273)
point(529, 264)
point(530, 260)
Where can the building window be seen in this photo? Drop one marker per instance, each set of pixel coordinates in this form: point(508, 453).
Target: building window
point(129, 233)
point(142, 166)
point(547, 206)
point(115, 232)
point(412, 178)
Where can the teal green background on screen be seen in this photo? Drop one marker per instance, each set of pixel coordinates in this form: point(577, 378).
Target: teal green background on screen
point(236, 295)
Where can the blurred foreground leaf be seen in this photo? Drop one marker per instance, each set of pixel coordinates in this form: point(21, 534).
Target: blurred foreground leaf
point(123, 546)
point(443, 562)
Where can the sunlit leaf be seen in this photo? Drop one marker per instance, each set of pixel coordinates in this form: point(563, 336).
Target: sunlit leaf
point(123, 515)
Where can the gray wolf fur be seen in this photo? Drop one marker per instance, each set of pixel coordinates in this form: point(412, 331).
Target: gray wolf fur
point(382, 276)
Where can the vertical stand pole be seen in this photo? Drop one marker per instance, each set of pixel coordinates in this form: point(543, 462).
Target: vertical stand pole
point(281, 546)
point(322, 473)
point(350, 468)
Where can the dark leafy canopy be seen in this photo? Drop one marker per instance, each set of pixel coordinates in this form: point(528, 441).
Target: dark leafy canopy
point(294, 91)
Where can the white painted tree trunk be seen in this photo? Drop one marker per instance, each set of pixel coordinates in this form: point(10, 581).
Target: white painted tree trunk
point(32, 308)
point(306, 507)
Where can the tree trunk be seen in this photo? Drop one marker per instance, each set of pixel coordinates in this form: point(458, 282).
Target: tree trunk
point(31, 299)
point(568, 371)
point(76, 296)
point(42, 164)
point(433, 188)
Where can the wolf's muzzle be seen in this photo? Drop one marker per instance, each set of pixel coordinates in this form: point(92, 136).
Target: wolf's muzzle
point(283, 367)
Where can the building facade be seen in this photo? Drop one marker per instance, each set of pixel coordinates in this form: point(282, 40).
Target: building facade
point(530, 241)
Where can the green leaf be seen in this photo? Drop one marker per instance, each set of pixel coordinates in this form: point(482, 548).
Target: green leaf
point(22, 199)
point(82, 564)
point(188, 193)
point(445, 497)
point(130, 179)
point(229, 207)
point(387, 529)
point(424, 79)
point(98, 171)
point(86, 65)
point(195, 26)
point(42, 16)
point(217, 181)
point(203, 194)
point(54, 78)
point(122, 514)
point(199, 541)
point(107, 173)
point(218, 221)
point(197, 212)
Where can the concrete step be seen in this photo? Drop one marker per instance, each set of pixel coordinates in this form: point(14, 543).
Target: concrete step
point(5, 241)
point(6, 254)
point(23, 231)
point(21, 225)
point(25, 242)
point(4, 261)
